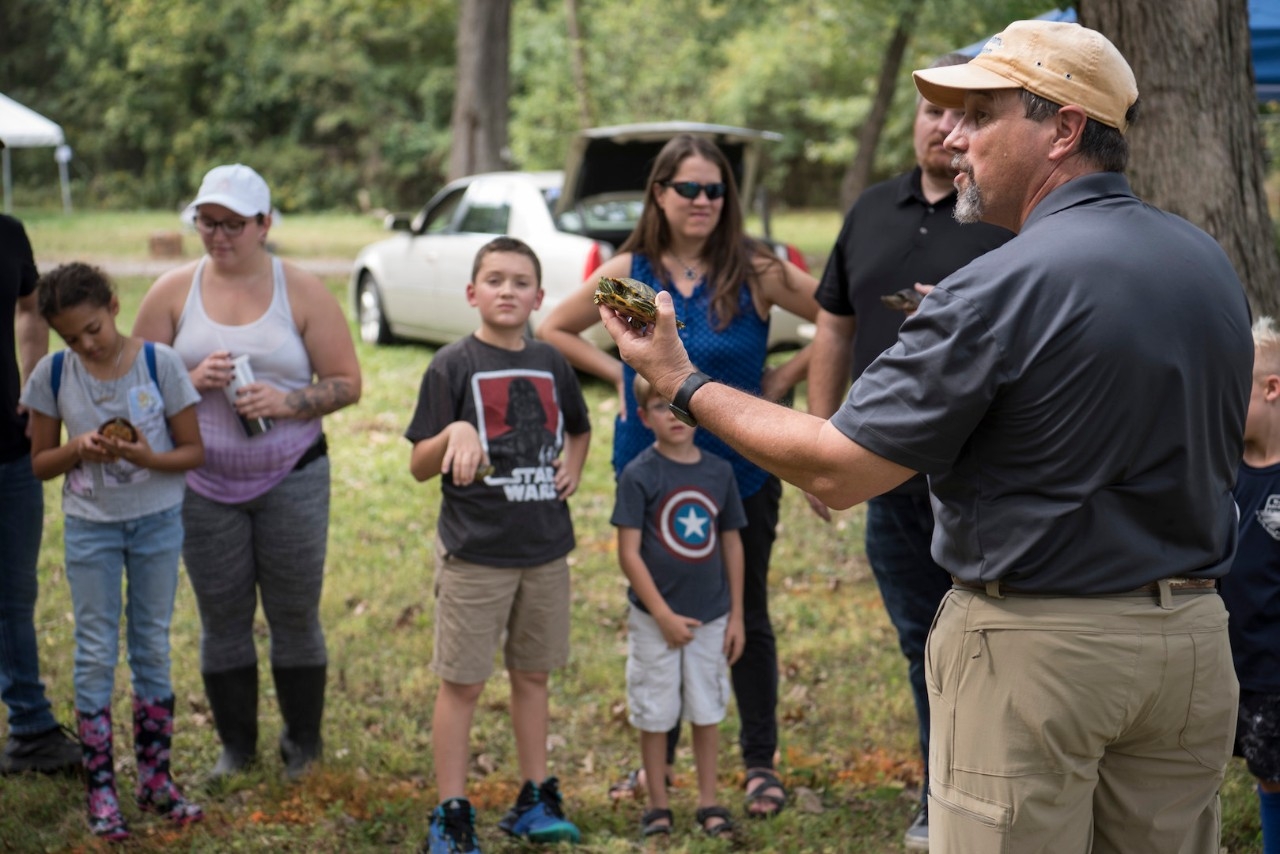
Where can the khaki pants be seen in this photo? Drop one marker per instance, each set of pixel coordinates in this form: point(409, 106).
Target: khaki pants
point(1068, 725)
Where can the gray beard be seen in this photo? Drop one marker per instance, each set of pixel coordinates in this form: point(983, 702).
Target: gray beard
point(968, 207)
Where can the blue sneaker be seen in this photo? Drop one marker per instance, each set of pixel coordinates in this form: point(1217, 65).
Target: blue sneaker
point(538, 815)
point(453, 829)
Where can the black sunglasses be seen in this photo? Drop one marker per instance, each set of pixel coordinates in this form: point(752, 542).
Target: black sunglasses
point(690, 189)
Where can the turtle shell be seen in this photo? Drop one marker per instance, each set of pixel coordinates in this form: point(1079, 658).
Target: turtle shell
point(120, 429)
point(631, 298)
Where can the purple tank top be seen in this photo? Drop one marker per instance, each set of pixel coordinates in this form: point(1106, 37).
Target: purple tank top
point(238, 468)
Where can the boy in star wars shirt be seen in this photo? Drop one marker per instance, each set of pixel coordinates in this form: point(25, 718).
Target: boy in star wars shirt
point(502, 419)
point(678, 517)
point(1251, 591)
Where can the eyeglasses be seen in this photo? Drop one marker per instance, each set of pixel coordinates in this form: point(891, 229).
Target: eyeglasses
point(230, 227)
point(690, 189)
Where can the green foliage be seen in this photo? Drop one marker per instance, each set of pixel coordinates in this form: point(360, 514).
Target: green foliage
point(347, 103)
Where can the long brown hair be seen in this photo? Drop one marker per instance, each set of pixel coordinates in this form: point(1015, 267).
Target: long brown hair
point(729, 254)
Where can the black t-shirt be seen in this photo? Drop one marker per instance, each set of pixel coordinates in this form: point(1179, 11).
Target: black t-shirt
point(1251, 591)
point(17, 279)
point(892, 238)
point(1076, 396)
point(523, 404)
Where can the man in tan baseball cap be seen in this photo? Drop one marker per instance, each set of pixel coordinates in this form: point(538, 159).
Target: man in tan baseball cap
point(1053, 730)
point(1076, 397)
point(1063, 63)
point(1067, 82)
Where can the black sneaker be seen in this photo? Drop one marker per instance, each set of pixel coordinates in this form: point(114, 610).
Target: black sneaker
point(453, 829)
point(49, 752)
point(917, 836)
point(538, 814)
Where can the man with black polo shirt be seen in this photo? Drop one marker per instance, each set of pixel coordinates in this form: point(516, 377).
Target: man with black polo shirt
point(899, 233)
point(36, 742)
point(1077, 398)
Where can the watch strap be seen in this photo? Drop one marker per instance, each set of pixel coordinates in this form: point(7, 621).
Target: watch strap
point(680, 403)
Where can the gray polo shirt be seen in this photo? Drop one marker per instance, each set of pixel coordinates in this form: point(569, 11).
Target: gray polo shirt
point(1077, 398)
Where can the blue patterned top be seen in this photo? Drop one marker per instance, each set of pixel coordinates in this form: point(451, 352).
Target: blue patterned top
point(734, 356)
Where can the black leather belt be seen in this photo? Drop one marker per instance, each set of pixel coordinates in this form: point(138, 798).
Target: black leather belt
point(318, 449)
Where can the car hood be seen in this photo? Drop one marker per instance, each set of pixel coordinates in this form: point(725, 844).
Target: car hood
point(614, 162)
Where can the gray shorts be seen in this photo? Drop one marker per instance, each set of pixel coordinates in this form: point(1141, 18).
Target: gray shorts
point(664, 684)
point(1258, 734)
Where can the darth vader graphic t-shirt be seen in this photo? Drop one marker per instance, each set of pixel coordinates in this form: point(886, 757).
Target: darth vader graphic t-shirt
point(523, 403)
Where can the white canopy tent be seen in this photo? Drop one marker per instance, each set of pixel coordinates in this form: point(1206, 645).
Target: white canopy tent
point(23, 127)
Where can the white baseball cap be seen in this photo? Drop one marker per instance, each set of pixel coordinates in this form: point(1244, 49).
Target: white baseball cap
point(235, 187)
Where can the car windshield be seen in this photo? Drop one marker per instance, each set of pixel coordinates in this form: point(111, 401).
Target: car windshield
point(616, 213)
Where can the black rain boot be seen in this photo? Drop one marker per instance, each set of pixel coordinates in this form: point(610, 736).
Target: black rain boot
point(300, 692)
point(233, 699)
point(152, 743)
point(105, 819)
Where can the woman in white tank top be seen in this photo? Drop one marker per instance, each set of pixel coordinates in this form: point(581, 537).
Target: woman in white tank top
point(256, 513)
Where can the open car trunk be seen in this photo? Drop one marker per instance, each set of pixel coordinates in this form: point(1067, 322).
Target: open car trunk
point(606, 170)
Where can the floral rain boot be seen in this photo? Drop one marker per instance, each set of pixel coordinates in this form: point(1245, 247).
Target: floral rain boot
point(105, 819)
point(152, 737)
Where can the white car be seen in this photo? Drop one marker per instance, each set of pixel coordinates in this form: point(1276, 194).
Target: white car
point(412, 285)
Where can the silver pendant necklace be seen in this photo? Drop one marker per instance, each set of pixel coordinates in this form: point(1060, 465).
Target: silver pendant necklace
point(690, 272)
point(110, 385)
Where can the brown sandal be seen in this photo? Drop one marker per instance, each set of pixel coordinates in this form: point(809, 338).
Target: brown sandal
point(649, 825)
point(722, 829)
point(760, 795)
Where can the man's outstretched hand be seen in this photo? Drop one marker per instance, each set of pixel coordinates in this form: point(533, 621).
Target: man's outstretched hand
point(654, 351)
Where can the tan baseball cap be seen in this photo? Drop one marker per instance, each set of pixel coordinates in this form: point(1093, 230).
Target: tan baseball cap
point(1065, 63)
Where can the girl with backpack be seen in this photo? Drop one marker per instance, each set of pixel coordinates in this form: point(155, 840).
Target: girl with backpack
point(129, 410)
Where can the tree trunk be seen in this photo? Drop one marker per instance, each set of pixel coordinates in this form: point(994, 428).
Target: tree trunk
point(480, 107)
point(586, 116)
point(858, 175)
point(1197, 147)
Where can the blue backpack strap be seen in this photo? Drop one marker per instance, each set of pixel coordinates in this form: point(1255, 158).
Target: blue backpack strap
point(149, 350)
point(55, 378)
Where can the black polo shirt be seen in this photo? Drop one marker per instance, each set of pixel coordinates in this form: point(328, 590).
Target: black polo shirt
point(892, 238)
point(17, 279)
point(1077, 398)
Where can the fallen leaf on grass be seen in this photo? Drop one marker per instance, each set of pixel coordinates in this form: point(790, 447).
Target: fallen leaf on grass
point(807, 801)
point(408, 616)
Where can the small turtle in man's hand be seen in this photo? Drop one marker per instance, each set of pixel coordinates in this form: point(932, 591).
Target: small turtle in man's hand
point(631, 298)
point(907, 299)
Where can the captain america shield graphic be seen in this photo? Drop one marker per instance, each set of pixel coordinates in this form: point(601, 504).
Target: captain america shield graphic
point(687, 524)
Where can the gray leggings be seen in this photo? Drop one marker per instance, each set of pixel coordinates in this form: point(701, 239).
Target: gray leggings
point(273, 545)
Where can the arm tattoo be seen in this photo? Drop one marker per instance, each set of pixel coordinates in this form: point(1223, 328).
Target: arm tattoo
point(321, 398)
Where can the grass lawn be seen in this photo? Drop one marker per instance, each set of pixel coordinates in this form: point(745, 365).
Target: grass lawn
point(847, 723)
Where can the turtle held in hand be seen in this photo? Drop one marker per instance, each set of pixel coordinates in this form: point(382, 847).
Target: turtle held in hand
point(631, 298)
point(119, 428)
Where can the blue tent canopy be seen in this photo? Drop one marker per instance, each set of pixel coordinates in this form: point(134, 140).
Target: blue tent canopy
point(1264, 35)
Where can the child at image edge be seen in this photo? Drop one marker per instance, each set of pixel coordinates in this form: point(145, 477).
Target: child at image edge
point(678, 516)
point(494, 413)
point(122, 498)
point(1251, 591)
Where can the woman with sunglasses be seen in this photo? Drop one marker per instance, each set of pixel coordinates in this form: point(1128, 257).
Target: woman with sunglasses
point(690, 241)
point(256, 514)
